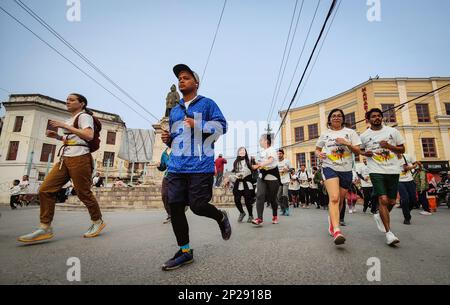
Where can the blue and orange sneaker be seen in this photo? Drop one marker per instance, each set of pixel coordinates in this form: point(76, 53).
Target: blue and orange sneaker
point(180, 259)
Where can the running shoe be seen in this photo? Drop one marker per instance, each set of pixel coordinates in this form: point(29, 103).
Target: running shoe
point(95, 229)
point(339, 239)
point(250, 219)
point(181, 258)
point(241, 217)
point(425, 213)
point(39, 234)
point(391, 239)
point(225, 226)
point(275, 220)
point(257, 221)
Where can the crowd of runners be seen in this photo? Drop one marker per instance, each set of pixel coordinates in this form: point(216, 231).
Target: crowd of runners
point(267, 181)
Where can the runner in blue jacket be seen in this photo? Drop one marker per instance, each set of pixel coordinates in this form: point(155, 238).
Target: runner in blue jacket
point(195, 124)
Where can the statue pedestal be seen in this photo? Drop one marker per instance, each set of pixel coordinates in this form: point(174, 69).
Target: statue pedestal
point(154, 176)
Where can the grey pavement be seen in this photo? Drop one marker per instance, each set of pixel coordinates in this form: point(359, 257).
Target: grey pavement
point(297, 251)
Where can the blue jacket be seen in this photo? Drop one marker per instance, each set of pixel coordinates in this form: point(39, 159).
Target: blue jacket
point(194, 152)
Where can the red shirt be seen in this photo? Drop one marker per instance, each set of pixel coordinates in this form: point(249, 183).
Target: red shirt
point(220, 162)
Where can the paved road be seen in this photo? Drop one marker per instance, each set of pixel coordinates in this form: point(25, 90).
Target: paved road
point(297, 251)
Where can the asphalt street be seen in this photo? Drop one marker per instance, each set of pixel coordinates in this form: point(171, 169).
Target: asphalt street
point(297, 251)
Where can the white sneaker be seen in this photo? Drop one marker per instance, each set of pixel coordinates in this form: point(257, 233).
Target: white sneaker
point(354, 210)
point(391, 239)
point(379, 223)
point(94, 230)
point(350, 211)
point(425, 213)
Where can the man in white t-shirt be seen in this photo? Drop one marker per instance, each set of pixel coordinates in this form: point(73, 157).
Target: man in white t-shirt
point(367, 187)
point(284, 166)
point(407, 186)
point(76, 163)
point(381, 145)
point(305, 179)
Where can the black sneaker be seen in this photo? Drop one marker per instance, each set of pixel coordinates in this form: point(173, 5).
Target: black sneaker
point(181, 258)
point(342, 223)
point(225, 226)
point(407, 222)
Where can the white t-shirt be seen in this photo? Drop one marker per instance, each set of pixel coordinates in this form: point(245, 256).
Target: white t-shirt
point(282, 165)
point(339, 157)
point(406, 176)
point(363, 170)
point(243, 171)
point(186, 104)
point(15, 190)
point(294, 185)
point(303, 177)
point(84, 121)
point(312, 184)
point(383, 160)
point(264, 156)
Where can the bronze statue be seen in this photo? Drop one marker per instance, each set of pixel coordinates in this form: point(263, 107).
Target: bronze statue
point(172, 99)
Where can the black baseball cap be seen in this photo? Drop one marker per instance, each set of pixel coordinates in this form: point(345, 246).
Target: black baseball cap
point(182, 67)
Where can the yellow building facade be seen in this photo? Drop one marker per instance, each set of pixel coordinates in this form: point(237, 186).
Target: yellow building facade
point(424, 123)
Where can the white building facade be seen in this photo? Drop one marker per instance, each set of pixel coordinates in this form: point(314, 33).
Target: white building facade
point(25, 148)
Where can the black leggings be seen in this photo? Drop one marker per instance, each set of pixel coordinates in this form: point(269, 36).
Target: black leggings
point(195, 190)
point(248, 199)
point(267, 191)
point(304, 195)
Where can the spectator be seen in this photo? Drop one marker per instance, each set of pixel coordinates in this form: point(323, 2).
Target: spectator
point(14, 192)
point(220, 164)
point(98, 180)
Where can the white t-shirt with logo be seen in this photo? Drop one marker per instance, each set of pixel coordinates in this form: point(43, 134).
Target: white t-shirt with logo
point(383, 160)
point(264, 156)
point(406, 176)
point(294, 185)
point(339, 157)
point(282, 165)
point(84, 121)
point(312, 184)
point(303, 178)
point(363, 170)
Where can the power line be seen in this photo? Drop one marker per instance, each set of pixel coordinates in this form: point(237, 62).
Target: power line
point(71, 62)
point(318, 54)
point(333, 5)
point(282, 60)
point(214, 41)
point(287, 60)
point(70, 46)
point(301, 54)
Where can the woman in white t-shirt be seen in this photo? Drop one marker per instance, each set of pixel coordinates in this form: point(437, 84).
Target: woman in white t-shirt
point(268, 180)
point(335, 148)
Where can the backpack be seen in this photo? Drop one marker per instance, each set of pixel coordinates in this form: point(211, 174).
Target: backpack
point(93, 144)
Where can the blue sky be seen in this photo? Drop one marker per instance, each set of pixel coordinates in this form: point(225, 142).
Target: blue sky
point(138, 42)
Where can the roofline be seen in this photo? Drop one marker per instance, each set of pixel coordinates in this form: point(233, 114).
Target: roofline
point(58, 101)
point(437, 78)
